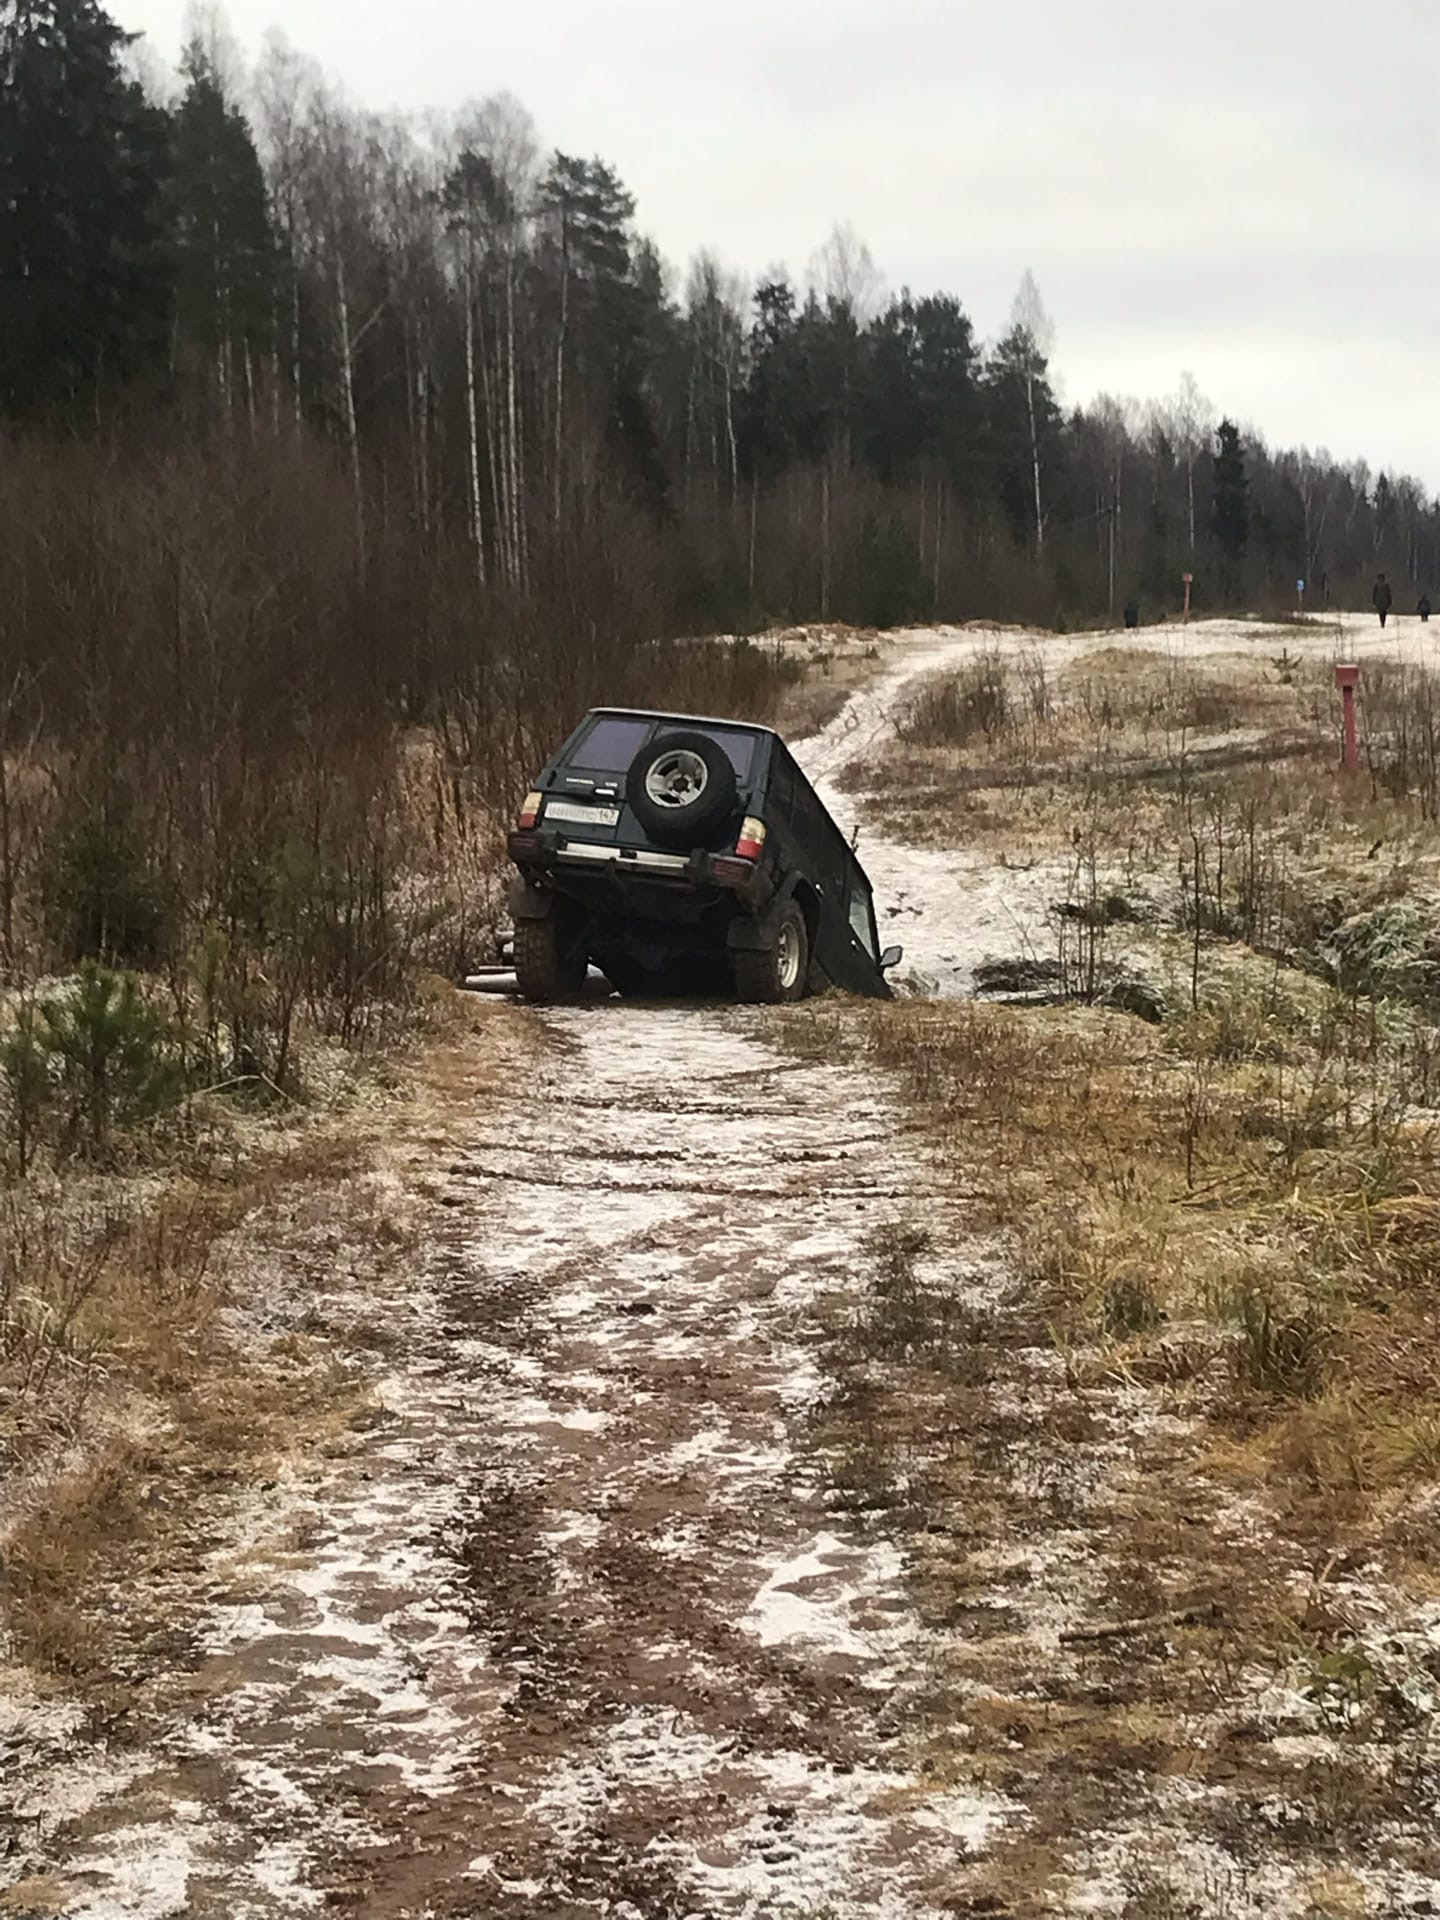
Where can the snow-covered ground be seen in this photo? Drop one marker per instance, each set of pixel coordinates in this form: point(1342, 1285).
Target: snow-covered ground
point(576, 1624)
point(949, 908)
point(952, 907)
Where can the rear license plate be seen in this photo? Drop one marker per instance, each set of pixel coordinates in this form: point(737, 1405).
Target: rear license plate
point(582, 816)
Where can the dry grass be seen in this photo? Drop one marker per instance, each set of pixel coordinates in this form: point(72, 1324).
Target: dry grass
point(133, 1401)
point(1248, 1195)
point(1260, 1302)
point(1267, 1201)
point(832, 663)
point(1011, 718)
point(1149, 755)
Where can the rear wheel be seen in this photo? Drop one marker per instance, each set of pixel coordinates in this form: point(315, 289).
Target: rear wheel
point(549, 962)
point(779, 971)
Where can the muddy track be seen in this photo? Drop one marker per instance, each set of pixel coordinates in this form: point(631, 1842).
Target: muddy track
point(580, 1629)
point(651, 1583)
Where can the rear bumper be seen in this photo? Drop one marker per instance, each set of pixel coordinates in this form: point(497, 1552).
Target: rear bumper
point(636, 880)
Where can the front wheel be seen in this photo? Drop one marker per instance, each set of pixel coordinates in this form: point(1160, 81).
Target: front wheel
point(779, 971)
point(548, 966)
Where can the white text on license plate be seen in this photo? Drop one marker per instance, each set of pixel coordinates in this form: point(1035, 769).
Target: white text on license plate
point(582, 816)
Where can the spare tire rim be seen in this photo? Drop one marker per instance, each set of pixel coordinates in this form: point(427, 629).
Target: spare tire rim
point(676, 778)
point(787, 955)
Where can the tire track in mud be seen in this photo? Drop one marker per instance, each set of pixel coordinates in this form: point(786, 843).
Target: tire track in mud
point(579, 1627)
point(582, 1624)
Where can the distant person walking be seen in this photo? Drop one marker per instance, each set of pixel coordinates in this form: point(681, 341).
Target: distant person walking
point(1423, 606)
point(1382, 597)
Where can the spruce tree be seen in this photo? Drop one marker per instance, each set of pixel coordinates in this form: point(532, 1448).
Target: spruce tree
point(779, 419)
point(84, 263)
point(225, 249)
point(948, 392)
point(1230, 503)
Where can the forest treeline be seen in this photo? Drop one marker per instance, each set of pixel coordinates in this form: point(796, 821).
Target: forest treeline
point(344, 457)
point(496, 356)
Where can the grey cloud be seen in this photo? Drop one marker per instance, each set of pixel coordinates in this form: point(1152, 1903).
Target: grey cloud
point(1243, 186)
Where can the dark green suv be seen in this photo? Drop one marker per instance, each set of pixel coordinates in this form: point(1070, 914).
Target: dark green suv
point(679, 853)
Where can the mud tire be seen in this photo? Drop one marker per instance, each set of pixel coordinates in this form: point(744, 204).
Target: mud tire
point(781, 971)
point(549, 963)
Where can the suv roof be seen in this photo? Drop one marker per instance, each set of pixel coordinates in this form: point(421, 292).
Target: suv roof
point(690, 719)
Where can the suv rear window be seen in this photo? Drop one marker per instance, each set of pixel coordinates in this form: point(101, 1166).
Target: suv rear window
point(612, 741)
point(610, 744)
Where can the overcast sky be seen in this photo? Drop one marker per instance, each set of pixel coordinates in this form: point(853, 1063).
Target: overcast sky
point(1244, 188)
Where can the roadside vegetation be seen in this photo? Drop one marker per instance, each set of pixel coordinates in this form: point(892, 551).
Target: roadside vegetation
point(251, 818)
point(1260, 1155)
point(1178, 1486)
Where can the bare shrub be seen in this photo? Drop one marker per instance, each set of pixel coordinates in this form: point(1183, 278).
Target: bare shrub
point(977, 701)
point(221, 715)
point(50, 1273)
point(1401, 707)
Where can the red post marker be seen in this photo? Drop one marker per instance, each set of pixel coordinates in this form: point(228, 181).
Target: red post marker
point(1189, 580)
point(1347, 678)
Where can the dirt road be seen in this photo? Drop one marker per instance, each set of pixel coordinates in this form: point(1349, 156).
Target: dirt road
point(585, 1620)
point(580, 1627)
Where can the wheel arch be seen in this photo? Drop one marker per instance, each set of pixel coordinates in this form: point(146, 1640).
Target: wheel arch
point(807, 898)
point(758, 930)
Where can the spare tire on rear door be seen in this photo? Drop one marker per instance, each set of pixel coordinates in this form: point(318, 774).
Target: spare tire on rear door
point(681, 788)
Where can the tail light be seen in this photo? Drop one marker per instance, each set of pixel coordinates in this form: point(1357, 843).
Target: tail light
point(751, 843)
point(530, 810)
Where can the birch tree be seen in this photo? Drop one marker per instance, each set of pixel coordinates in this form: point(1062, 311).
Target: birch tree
point(1034, 334)
point(715, 304)
point(1193, 419)
point(843, 272)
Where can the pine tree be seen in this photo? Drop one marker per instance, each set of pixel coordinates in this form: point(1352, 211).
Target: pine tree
point(226, 255)
point(1230, 502)
point(85, 273)
point(946, 376)
point(895, 417)
point(605, 291)
point(779, 420)
point(921, 400)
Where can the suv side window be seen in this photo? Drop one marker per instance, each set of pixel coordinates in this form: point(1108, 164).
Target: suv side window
point(862, 916)
point(780, 788)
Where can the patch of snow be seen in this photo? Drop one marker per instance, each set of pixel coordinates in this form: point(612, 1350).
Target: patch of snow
point(147, 1872)
point(809, 1600)
point(274, 1785)
point(276, 1870)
